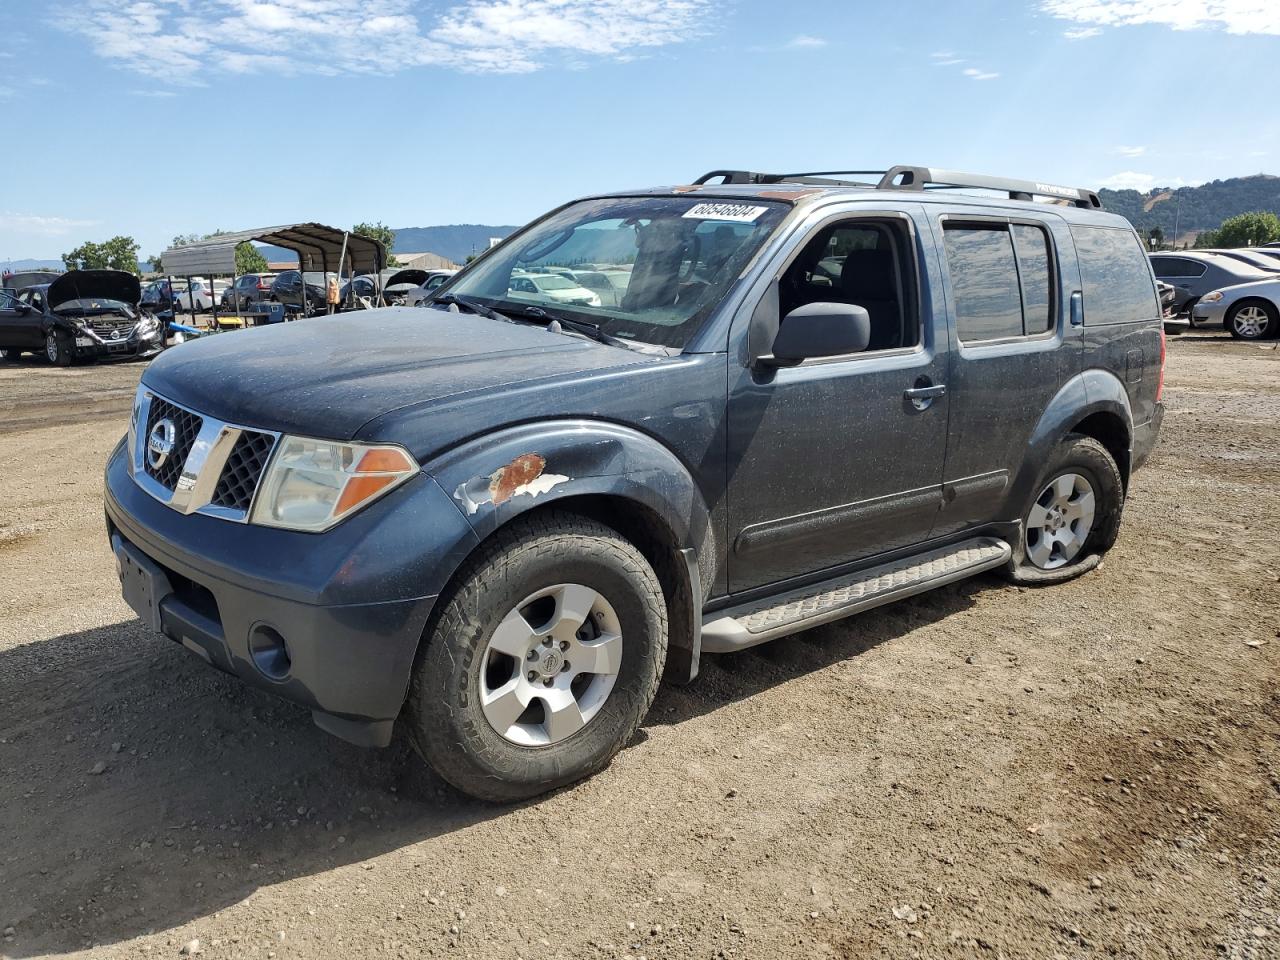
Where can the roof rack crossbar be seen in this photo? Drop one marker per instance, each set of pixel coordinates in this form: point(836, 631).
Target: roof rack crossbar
point(905, 177)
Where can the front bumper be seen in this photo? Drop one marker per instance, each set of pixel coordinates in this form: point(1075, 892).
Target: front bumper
point(129, 347)
point(350, 604)
point(1209, 314)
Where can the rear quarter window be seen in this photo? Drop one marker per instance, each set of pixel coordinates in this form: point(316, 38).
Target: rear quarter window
point(1116, 276)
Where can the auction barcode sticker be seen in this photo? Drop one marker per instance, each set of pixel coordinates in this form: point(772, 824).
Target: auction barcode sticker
point(733, 212)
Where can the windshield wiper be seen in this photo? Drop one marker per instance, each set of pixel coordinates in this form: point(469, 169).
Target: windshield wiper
point(584, 327)
point(466, 303)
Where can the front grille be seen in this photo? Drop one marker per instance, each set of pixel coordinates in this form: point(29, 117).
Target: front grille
point(244, 467)
point(186, 428)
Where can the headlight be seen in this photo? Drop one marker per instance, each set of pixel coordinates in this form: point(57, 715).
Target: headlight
point(1213, 297)
point(146, 326)
point(313, 484)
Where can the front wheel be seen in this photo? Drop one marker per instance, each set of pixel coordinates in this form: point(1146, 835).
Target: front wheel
point(57, 348)
point(1074, 517)
point(1252, 320)
point(542, 662)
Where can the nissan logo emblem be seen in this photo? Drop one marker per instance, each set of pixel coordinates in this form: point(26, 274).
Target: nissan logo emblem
point(160, 443)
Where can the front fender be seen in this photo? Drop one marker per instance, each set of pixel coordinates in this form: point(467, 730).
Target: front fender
point(1093, 391)
point(499, 476)
point(496, 478)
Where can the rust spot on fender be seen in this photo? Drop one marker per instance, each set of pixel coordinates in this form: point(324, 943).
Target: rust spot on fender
point(524, 476)
point(524, 469)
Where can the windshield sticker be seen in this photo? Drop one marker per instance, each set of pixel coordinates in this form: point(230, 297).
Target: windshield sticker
point(732, 212)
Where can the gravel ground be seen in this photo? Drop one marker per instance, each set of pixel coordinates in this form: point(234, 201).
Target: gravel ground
point(1083, 770)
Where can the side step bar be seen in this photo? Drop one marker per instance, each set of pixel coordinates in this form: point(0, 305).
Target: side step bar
point(751, 623)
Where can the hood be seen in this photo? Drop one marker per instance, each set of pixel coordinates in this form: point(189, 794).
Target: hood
point(328, 376)
point(94, 285)
point(1268, 288)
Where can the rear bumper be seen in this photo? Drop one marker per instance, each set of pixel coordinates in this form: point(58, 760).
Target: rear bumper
point(1145, 436)
point(223, 583)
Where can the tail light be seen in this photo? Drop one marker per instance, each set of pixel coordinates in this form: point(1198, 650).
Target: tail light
point(1163, 354)
point(261, 285)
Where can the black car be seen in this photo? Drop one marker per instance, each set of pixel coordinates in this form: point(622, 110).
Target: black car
point(497, 522)
point(82, 315)
point(396, 286)
point(287, 289)
point(161, 296)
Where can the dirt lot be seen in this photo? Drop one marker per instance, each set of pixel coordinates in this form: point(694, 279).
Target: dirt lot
point(1084, 770)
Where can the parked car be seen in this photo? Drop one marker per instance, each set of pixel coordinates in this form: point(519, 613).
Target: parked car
point(161, 296)
point(501, 527)
point(1271, 251)
point(1254, 258)
point(397, 284)
point(247, 290)
point(204, 293)
point(419, 297)
point(1193, 274)
point(1248, 311)
point(609, 285)
point(21, 279)
point(551, 288)
point(83, 315)
point(287, 288)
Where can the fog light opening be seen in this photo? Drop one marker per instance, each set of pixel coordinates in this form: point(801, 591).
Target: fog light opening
point(269, 652)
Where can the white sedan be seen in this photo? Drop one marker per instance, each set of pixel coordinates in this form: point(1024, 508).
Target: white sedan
point(543, 287)
point(203, 292)
point(1247, 311)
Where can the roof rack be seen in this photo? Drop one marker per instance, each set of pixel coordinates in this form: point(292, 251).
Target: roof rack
point(904, 177)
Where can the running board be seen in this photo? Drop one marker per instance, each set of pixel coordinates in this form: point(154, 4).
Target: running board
point(751, 623)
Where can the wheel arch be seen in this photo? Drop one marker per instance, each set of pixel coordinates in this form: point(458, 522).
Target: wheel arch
point(1094, 403)
point(613, 474)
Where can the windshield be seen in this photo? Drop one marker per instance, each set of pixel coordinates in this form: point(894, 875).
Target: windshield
point(670, 261)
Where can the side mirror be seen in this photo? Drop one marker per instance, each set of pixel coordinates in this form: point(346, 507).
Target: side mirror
point(820, 330)
point(22, 308)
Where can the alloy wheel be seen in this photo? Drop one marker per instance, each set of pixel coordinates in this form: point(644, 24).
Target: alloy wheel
point(51, 347)
point(1059, 522)
point(550, 665)
point(1251, 322)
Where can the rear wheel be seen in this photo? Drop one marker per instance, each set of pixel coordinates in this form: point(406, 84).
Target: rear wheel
point(543, 661)
point(57, 348)
point(1074, 517)
point(1253, 320)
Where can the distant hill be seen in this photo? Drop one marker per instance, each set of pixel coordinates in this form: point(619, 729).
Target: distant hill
point(456, 242)
point(1202, 208)
point(18, 266)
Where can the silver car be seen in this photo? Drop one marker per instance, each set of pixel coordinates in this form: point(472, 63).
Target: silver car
point(1248, 311)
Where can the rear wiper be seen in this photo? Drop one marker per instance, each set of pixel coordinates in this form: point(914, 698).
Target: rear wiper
point(584, 327)
point(466, 303)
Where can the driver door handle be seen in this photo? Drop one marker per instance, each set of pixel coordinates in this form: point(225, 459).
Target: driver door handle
point(922, 397)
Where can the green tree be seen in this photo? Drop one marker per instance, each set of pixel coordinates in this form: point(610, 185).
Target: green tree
point(1205, 239)
point(249, 259)
point(380, 231)
point(157, 264)
point(118, 253)
point(1249, 230)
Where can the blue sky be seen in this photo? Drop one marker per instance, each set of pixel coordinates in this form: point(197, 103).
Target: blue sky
point(158, 117)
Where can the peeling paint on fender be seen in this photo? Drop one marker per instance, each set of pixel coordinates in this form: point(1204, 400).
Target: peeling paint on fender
point(523, 476)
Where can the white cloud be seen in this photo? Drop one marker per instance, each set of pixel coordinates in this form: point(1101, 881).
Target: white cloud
point(1142, 182)
point(179, 41)
point(41, 226)
point(946, 58)
point(805, 41)
point(1131, 151)
point(1082, 33)
point(1233, 16)
point(973, 74)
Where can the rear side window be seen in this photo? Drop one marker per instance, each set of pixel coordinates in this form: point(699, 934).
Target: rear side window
point(1176, 267)
point(1002, 279)
point(1116, 276)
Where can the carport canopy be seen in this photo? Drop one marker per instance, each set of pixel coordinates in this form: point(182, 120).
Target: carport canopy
point(318, 248)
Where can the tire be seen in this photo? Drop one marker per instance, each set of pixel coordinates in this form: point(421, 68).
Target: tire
point(57, 348)
point(531, 574)
point(1073, 517)
point(1252, 320)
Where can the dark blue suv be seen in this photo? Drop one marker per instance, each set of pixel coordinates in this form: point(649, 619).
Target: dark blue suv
point(503, 519)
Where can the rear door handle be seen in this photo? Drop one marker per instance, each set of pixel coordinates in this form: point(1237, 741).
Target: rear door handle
point(922, 397)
